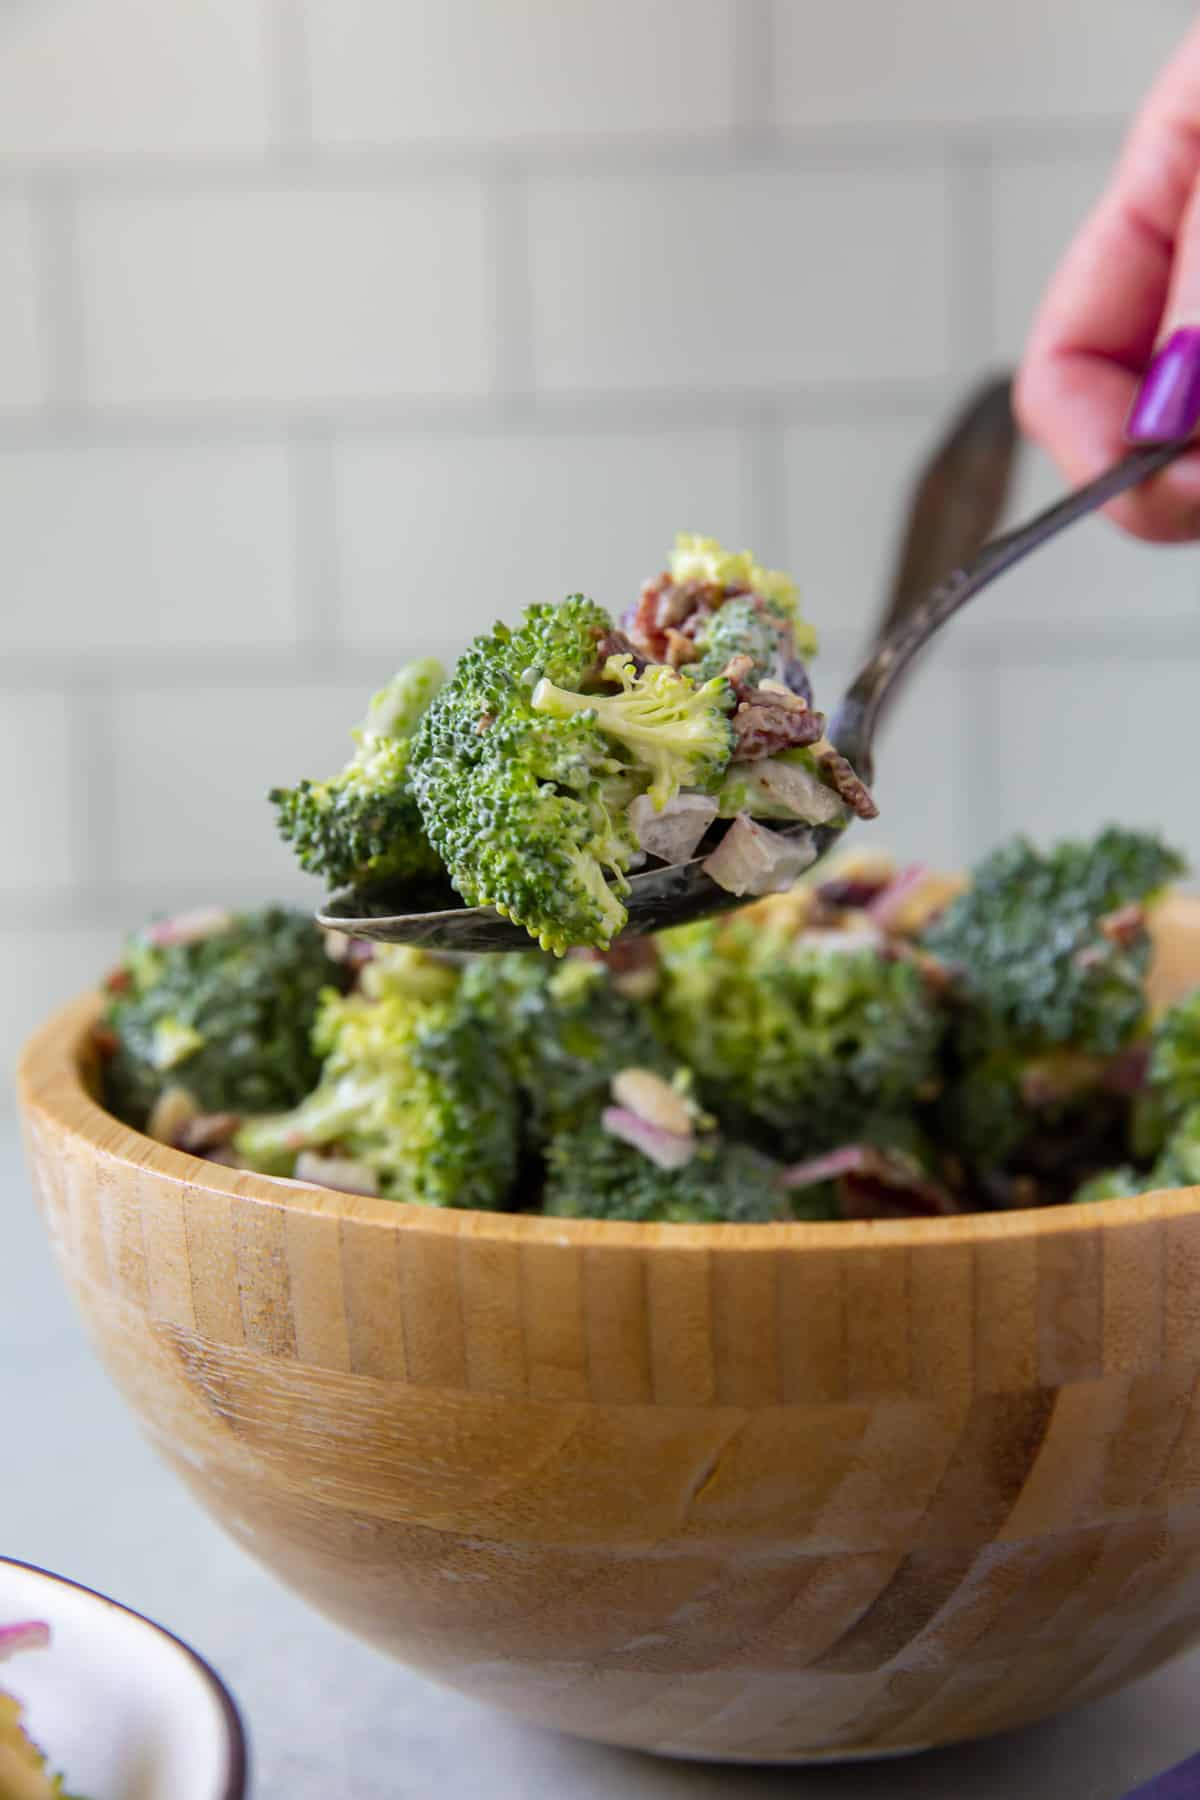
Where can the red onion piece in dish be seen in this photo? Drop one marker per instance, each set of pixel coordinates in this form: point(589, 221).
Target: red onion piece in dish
point(30, 1634)
point(673, 833)
point(752, 860)
point(795, 788)
point(665, 1148)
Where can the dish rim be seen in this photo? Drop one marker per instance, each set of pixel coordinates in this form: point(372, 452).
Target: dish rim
point(235, 1742)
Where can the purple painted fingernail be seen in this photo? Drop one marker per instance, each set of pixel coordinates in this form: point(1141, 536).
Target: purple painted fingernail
point(1168, 402)
point(1182, 1783)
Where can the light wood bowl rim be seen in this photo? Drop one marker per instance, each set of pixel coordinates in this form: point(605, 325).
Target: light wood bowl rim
point(51, 1084)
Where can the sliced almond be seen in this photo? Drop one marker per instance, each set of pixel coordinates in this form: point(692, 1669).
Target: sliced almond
point(653, 1099)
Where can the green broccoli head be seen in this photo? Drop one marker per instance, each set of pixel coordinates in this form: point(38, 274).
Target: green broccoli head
point(1177, 1165)
point(565, 1031)
point(1043, 948)
point(807, 1042)
point(751, 627)
point(1174, 1072)
point(412, 1088)
point(676, 733)
point(363, 824)
point(591, 1174)
point(221, 1004)
point(528, 812)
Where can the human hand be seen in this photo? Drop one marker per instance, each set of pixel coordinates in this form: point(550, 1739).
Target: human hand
point(1114, 354)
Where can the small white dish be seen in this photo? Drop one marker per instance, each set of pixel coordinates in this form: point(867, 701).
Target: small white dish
point(122, 1707)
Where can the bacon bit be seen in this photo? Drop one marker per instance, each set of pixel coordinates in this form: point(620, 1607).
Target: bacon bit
point(105, 1040)
point(767, 723)
point(845, 782)
point(1127, 1072)
point(735, 673)
point(681, 649)
point(665, 604)
point(873, 1184)
point(118, 982)
point(849, 895)
point(207, 1131)
point(1060, 1075)
point(1125, 926)
point(616, 643)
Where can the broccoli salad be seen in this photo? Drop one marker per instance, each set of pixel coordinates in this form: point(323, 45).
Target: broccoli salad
point(24, 1774)
point(564, 752)
point(875, 1043)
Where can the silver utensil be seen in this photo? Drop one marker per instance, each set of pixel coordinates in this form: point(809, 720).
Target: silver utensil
point(676, 893)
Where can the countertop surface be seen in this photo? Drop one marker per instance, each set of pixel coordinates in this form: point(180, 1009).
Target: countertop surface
point(332, 1720)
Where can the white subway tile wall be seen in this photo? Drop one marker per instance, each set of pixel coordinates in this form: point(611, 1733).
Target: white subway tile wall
point(331, 330)
point(23, 385)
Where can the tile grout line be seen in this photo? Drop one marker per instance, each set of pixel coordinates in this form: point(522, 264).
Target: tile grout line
point(856, 146)
point(290, 97)
point(753, 101)
point(971, 272)
point(60, 296)
point(567, 411)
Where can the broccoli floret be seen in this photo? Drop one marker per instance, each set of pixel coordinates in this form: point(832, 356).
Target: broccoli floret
point(1173, 1075)
point(753, 628)
point(528, 812)
point(1177, 1165)
point(363, 824)
point(592, 1175)
point(676, 732)
point(565, 1031)
point(222, 1005)
point(704, 560)
point(1033, 961)
point(806, 1043)
point(1049, 955)
point(413, 1088)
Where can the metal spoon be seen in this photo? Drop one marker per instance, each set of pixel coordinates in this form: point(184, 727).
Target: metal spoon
point(676, 893)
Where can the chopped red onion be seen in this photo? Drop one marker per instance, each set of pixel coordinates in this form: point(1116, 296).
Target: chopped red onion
point(887, 907)
point(752, 860)
point(673, 833)
point(190, 927)
point(796, 788)
point(665, 1148)
point(30, 1634)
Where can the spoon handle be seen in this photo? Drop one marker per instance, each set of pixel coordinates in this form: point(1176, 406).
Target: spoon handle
point(854, 722)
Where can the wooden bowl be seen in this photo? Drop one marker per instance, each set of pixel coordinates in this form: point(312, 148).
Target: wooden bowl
point(765, 1493)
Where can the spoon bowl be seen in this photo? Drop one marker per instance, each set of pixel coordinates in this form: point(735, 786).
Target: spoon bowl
point(679, 893)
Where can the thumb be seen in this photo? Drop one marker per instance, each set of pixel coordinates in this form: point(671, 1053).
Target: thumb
point(1167, 404)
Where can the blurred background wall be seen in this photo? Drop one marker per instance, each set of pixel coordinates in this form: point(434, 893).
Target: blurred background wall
point(332, 329)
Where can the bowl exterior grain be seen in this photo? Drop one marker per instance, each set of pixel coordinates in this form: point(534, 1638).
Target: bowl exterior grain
point(767, 1493)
